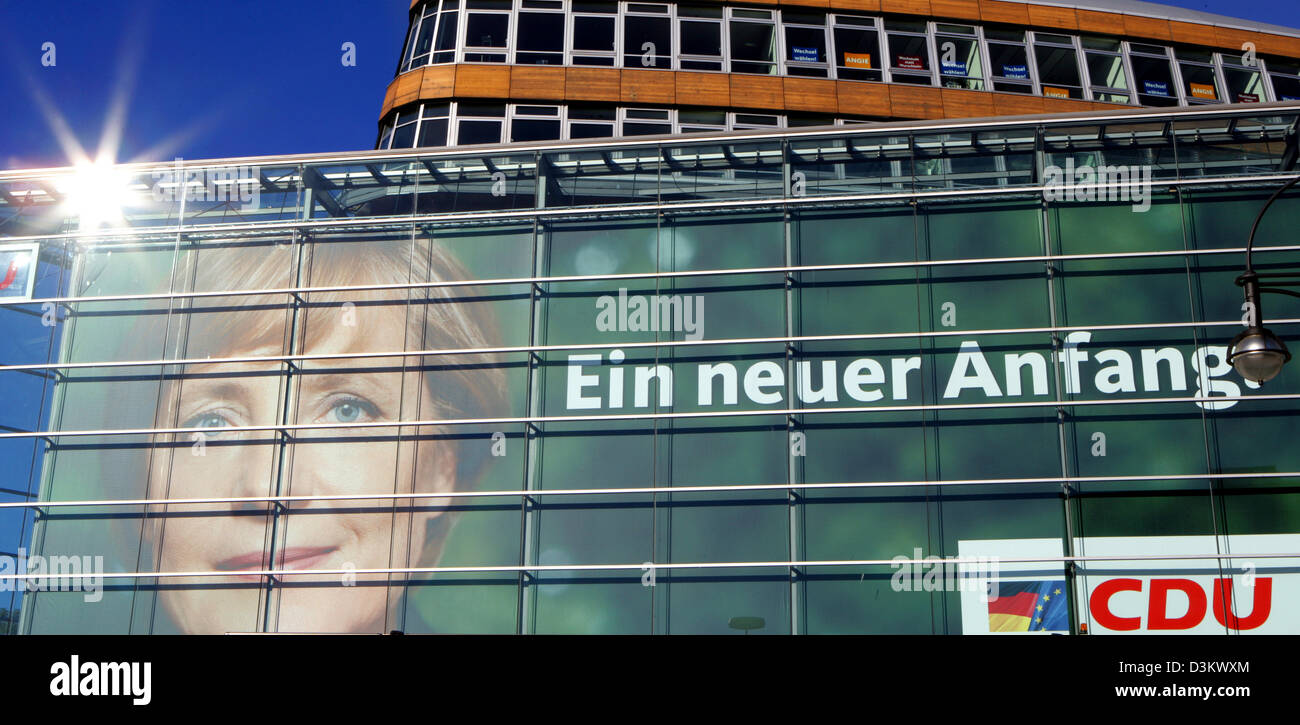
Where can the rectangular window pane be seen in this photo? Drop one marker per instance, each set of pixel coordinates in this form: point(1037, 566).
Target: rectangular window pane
point(1198, 83)
point(909, 59)
point(1243, 86)
point(593, 34)
point(857, 53)
point(753, 48)
point(647, 42)
point(433, 132)
point(478, 132)
point(530, 129)
point(1058, 71)
point(541, 38)
point(487, 30)
point(1009, 61)
point(1154, 81)
point(1107, 71)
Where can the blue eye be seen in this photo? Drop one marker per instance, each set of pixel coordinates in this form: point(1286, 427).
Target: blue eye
point(207, 420)
point(351, 410)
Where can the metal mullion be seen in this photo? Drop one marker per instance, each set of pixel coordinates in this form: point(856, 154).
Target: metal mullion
point(794, 468)
point(529, 516)
point(284, 450)
point(1045, 228)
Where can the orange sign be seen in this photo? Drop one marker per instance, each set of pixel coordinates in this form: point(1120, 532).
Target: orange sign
point(857, 60)
point(1203, 90)
point(1054, 92)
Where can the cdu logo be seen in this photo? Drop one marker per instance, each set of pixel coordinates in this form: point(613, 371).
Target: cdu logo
point(17, 271)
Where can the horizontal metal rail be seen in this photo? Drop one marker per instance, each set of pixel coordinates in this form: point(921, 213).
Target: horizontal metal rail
point(629, 276)
point(649, 566)
point(510, 349)
point(643, 490)
point(648, 207)
point(523, 420)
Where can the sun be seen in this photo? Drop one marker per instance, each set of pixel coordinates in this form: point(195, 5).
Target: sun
point(97, 194)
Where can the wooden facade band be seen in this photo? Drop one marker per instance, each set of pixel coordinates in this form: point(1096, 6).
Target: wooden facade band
point(723, 91)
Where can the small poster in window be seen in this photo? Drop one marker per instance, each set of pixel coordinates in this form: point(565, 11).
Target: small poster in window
point(1155, 88)
point(857, 60)
point(1015, 71)
point(1054, 92)
point(805, 55)
point(1203, 90)
point(17, 268)
point(1289, 98)
point(910, 62)
point(1247, 98)
point(953, 67)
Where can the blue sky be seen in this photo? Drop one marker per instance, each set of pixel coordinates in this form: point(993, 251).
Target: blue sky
point(232, 78)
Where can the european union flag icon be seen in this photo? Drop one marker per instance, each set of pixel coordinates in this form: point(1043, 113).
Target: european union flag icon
point(1028, 606)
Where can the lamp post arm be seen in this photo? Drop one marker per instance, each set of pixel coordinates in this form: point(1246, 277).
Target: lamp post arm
point(1250, 242)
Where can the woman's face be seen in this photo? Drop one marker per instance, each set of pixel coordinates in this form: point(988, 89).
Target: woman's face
point(307, 534)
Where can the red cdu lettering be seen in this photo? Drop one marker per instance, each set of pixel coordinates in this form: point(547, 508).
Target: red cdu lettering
point(1099, 604)
point(1259, 611)
point(1156, 612)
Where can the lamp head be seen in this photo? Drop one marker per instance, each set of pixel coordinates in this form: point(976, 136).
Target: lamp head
point(1257, 354)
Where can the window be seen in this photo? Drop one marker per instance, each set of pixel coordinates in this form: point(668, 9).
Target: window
point(1244, 85)
point(404, 135)
point(433, 124)
point(960, 65)
point(422, 35)
point(909, 53)
point(700, 37)
point(444, 47)
point(700, 121)
point(1058, 66)
point(487, 31)
point(753, 41)
point(754, 120)
point(646, 121)
point(857, 48)
point(535, 123)
point(1200, 82)
point(647, 37)
point(479, 123)
point(1106, 75)
point(541, 33)
point(806, 51)
point(592, 122)
point(593, 33)
point(1152, 75)
point(1285, 75)
point(1009, 60)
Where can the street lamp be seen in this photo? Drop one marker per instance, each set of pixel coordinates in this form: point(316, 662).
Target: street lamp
point(1256, 353)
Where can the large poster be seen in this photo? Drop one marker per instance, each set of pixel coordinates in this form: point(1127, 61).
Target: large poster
point(647, 424)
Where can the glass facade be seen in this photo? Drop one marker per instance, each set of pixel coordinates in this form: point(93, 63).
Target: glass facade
point(692, 386)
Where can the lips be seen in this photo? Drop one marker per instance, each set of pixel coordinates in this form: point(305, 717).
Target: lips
point(298, 557)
